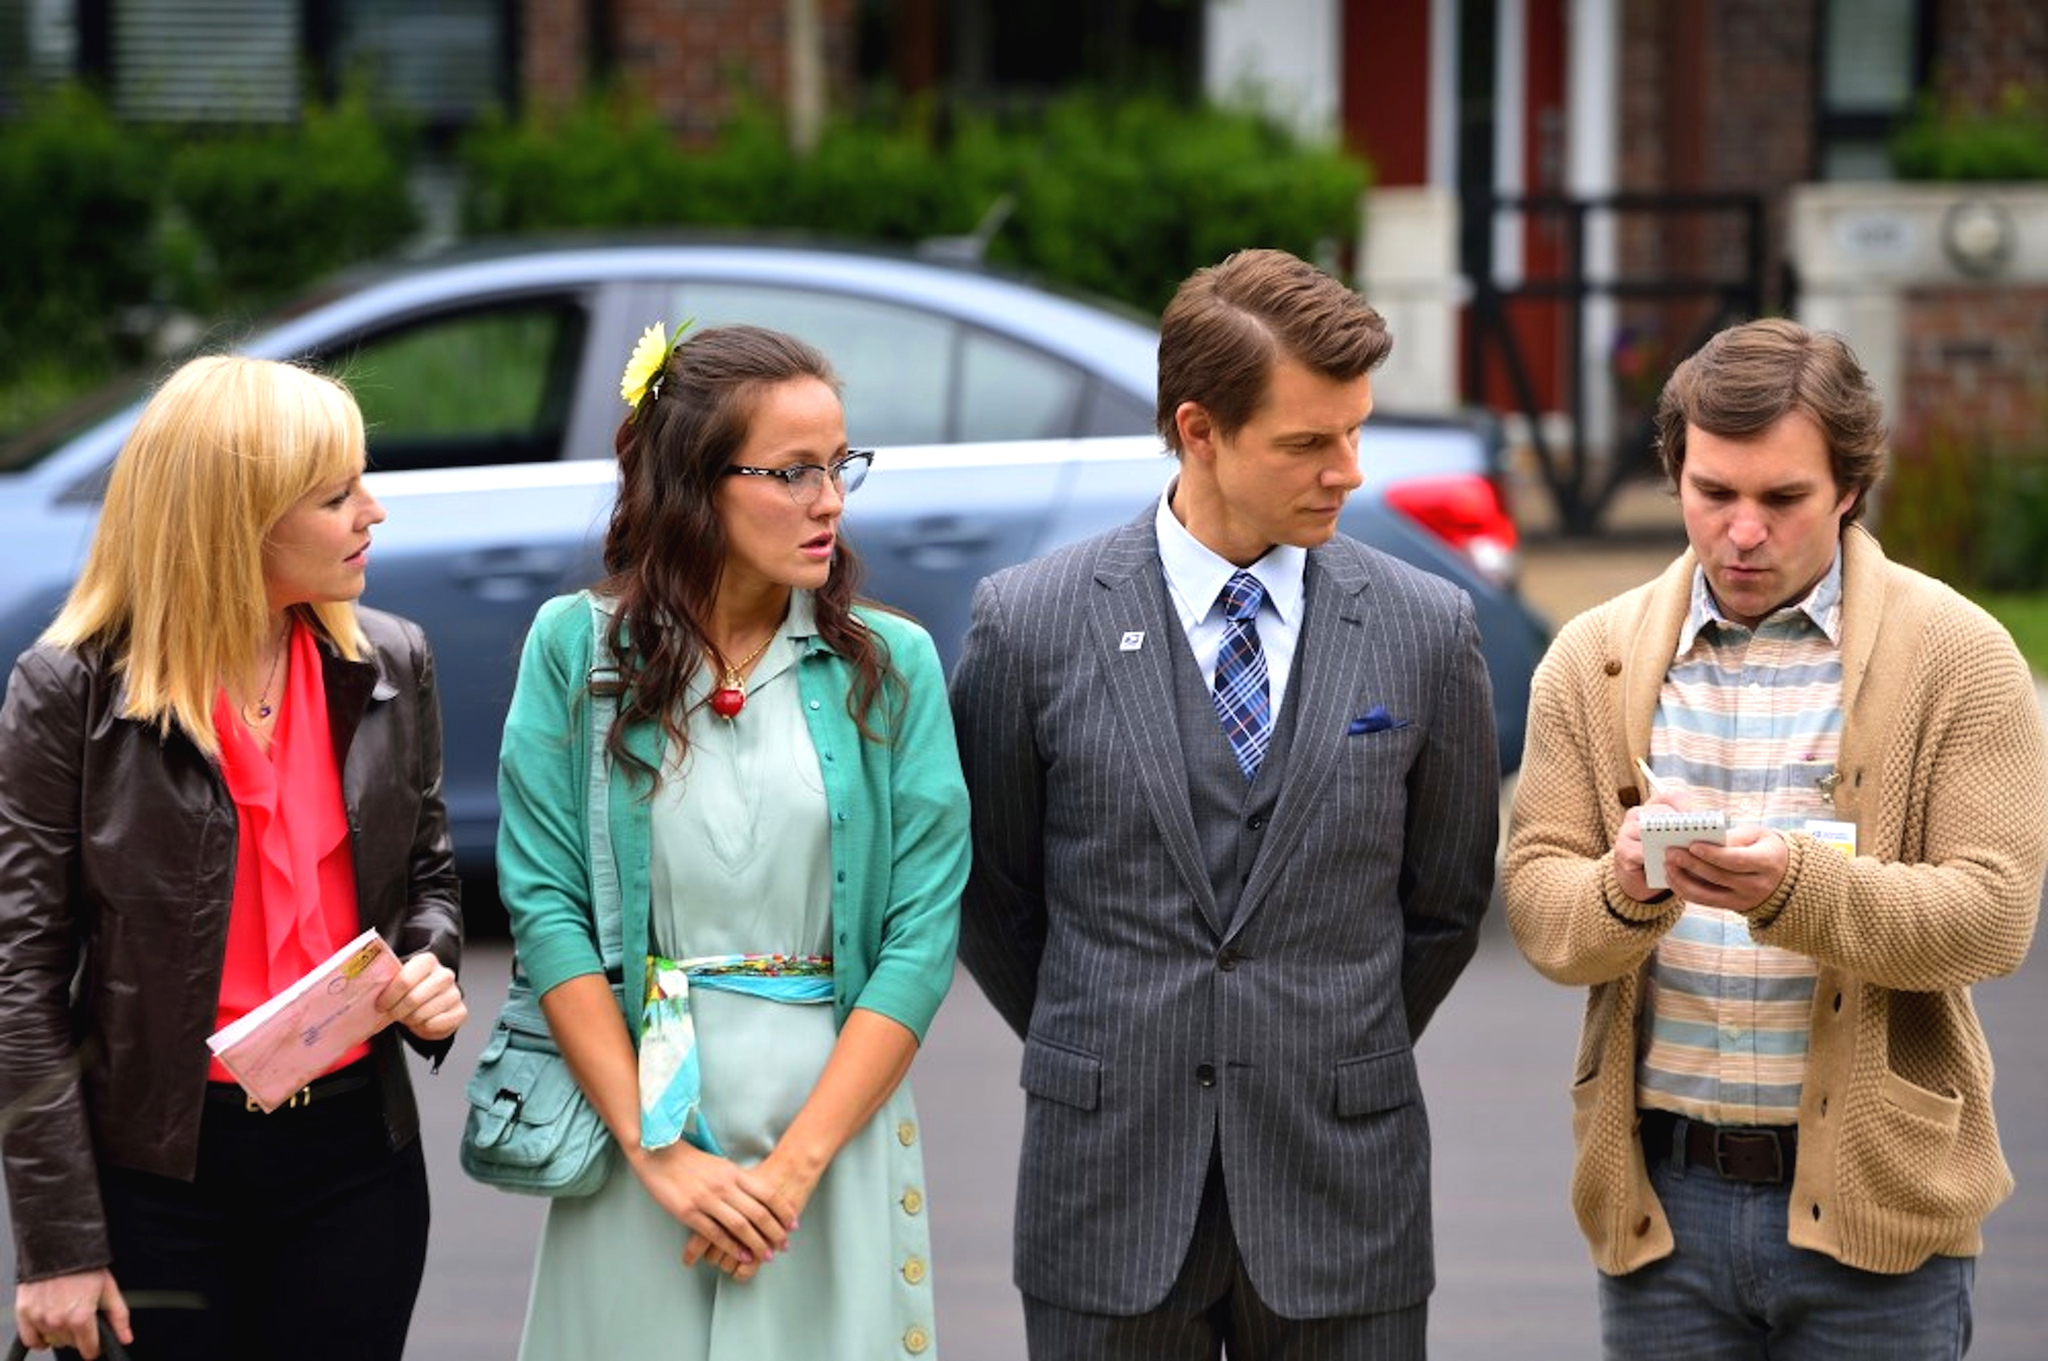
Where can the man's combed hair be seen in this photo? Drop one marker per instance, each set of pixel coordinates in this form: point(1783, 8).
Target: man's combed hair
point(1228, 324)
point(1749, 377)
point(173, 586)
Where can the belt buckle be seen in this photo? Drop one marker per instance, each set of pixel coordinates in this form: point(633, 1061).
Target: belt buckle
point(302, 1097)
point(1722, 1137)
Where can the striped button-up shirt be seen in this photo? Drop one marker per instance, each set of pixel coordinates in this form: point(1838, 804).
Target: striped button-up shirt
point(1749, 722)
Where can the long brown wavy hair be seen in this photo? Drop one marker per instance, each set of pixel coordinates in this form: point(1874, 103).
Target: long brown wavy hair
point(665, 549)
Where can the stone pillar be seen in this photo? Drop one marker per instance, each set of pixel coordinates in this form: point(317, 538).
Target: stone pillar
point(1408, 269)
point(1942, 291)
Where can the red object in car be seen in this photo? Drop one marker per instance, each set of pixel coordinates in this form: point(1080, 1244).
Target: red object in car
point(1466, 511)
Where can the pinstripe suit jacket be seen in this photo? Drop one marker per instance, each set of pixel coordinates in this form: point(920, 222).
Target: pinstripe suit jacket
point(1152, 1026)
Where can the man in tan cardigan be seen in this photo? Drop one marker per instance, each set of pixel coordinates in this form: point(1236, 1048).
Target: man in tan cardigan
point(1782, 1096)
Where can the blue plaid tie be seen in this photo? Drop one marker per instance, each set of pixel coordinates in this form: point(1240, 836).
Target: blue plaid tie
point(1242, 700)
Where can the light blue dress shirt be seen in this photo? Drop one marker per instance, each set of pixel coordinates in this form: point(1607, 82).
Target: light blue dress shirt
point(1195, 576)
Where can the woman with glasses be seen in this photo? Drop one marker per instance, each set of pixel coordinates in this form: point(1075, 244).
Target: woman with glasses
point(789, 825)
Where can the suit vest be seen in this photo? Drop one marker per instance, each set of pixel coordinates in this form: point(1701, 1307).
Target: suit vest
point(1231, 816)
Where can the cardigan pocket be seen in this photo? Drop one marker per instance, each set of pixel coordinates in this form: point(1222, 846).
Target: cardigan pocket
point(1907, 1152)
point(1585, 1094)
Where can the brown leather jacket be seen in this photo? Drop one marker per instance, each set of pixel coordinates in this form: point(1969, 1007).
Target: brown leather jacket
point(117, 868)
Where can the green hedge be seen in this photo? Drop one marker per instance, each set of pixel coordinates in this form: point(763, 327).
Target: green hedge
point(1122, 199)
point(2009, 142)
point(78, 236)
point(117, 224)
point(1975, 517)
point(270, 208)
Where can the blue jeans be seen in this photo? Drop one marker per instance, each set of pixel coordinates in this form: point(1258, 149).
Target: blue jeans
point(1735, 1290)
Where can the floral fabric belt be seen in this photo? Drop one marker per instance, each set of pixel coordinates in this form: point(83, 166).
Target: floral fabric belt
point(671, 1083)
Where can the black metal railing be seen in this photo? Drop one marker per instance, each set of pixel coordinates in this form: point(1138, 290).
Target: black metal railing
point(1580, 489)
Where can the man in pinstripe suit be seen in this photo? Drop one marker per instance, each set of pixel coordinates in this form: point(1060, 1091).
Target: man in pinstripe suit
point(1235, 803)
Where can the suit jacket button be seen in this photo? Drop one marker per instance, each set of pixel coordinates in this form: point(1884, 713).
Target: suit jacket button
point(1226, 959)
point(1205, 1074)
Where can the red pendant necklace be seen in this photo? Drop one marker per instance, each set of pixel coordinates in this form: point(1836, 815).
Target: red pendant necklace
point(731, 697)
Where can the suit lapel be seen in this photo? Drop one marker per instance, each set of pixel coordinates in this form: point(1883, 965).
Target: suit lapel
point(1328, 658)
point(1130, 598)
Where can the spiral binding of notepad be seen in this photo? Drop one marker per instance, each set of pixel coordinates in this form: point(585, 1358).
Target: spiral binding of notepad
point(1664, 828)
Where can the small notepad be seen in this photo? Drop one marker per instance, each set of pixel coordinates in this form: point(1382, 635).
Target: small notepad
point(1664, 828)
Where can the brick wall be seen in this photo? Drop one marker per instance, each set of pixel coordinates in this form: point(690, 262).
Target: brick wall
point(1760, 132)
point(1975, 362)
point(1642, 129)
point(554, 48)
point(698, 59)
point(1714, 97)
point(1986, 46)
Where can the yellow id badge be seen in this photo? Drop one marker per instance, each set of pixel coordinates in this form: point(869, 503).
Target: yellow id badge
point(1840, 835)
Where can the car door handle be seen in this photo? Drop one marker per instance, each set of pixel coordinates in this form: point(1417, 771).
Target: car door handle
point(944, 545)
point(503, 575)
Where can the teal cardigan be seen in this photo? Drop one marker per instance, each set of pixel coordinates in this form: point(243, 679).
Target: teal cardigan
point(899, 819)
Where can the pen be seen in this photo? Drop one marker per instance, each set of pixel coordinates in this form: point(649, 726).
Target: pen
point(1655, 785)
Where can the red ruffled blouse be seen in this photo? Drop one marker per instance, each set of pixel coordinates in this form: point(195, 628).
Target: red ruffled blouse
point(295, 874)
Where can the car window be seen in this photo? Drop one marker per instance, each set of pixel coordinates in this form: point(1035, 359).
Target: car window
point(896, 363)
point(469, 388)
point(1112, 411)
point(1010, 392)
point(28, 446)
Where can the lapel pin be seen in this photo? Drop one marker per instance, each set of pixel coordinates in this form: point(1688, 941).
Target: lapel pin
point(1132, 641)
point(1826, 784)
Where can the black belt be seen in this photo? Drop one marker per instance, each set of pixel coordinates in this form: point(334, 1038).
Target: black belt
point(354, 1078)
point(1763, 1154)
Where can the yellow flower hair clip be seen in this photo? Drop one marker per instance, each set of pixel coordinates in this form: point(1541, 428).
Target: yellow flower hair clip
point(650, 357)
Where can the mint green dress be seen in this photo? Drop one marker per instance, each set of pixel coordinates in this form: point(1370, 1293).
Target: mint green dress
point(741, 864)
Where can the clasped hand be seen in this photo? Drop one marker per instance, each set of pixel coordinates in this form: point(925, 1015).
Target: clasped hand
point(738, 1217)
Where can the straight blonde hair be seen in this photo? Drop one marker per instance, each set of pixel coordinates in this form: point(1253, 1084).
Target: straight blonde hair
point(173, 586)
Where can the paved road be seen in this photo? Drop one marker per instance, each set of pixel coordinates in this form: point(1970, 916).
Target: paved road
point(1514, 1279)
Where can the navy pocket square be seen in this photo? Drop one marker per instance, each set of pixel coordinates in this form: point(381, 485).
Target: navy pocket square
point(1375, 719)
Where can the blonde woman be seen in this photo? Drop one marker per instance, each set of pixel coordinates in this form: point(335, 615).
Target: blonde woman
point(214, 771)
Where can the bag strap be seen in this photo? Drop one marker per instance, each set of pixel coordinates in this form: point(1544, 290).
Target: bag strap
point(604, 866)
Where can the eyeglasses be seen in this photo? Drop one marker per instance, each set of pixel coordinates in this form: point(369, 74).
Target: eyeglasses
point(805, 481)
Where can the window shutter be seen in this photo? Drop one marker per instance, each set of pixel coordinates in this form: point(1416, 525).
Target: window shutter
point(442, 61)
point(182, 61)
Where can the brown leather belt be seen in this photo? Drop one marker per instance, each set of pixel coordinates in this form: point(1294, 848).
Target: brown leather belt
point(1761, 1154)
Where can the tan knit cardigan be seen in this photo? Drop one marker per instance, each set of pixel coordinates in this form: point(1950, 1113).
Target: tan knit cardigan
point(1943, 771)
